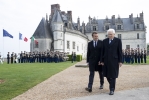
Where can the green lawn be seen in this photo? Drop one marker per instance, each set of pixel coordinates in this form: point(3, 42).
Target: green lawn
point(18, 78)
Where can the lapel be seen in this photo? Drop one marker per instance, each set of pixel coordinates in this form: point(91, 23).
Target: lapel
point(92, 44)
point(113, 41)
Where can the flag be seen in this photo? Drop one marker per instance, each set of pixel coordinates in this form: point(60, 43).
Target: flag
point(33, 39)
point(25, 39)
point(20, 36)
point(6, 34)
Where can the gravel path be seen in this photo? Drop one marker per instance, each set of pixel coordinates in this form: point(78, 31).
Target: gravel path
point(71, 83)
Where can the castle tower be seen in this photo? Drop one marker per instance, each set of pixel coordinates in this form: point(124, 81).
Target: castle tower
point(58, 33)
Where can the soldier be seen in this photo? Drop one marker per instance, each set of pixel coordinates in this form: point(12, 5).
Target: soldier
point(31, 57)
point(12, 58)
point(21, 57)
point(129, 56)
point(75, 56)
point(24, 57)
point(141, 56)
point(136, 55)
point(15, 57)
point(45, 57)
point(126, 55)
point(48, 57)
point(72, 57)
point(39, 57)
point(1, 59)
point(132, 56)
point(8, 58)
point(55, 57)
point(123, 58)
point(145, 55)
point(18, 57)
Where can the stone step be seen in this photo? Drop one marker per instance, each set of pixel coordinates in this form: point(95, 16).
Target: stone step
point(81, 65)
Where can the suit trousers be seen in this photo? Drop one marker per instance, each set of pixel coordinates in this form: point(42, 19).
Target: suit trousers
point(91, 78)
point(112, 82)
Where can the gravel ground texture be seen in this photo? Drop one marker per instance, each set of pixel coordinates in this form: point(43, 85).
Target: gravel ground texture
point(71, 83)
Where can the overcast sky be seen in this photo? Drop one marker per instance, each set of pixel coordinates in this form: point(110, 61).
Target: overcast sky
point(24, 16)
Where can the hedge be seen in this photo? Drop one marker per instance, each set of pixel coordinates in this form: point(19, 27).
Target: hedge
point(78, 58)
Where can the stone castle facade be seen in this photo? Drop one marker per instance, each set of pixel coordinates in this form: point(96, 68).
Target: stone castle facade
point(58, 32)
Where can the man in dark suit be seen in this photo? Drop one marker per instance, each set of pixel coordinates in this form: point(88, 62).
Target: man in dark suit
point(93, 60)
point(111, 58)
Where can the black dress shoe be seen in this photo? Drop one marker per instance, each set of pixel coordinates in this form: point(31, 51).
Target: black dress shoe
point(111, 93)
point(101, 87)
point(88, 89)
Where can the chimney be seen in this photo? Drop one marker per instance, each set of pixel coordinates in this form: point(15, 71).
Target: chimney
point(131, 18)
point(113, 19)
point(69, 13)
point(53, 7)
point(47, 17)
point(78, 23)
point(141, 17)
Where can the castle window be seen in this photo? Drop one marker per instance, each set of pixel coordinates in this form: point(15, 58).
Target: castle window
point(77, 48)
point(61, 28)
point(119, 36)
point(138, 26)
point(127, 47)
point(61, 34)
point(36, 45)
point(65, 24)
point(137, 35)
point(68, 45)
point(73, 45)
point(94, 28)
point(138, 46)
point(61, 42)
point(107, 27)
point(119, 27)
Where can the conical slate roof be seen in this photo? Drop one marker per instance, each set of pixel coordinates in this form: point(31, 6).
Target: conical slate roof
point(43, 30)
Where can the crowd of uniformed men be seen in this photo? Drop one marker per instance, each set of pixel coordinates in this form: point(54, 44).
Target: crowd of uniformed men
point(32, 57)
point(134, 55)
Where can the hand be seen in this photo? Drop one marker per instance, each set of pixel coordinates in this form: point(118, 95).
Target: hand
point(99, 63)
point(120, 64)
point(102, 63)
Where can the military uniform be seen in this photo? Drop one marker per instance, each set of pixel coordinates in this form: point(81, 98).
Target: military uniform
point(8, 58)
point(138, 57)
point(141, 56)
point(144, 56)
point(12, 58)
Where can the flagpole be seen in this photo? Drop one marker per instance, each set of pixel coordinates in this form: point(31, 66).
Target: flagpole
point(3, 45)
point(19, 42)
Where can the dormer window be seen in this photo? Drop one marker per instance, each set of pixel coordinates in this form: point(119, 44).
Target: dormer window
point(65, 24)
point(138, 26)
point(119, 27)
point(107, 27)
point(94, 28)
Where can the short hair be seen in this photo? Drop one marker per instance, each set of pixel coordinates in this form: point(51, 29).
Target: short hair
point(111, 30)
point(94, 33)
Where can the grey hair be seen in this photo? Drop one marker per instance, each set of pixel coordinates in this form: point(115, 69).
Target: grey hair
point(111, 30)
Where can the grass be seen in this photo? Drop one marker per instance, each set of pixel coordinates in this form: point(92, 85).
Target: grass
point(147, 62)
point(18, 78)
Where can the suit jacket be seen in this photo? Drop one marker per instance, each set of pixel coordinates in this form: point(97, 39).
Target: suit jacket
point(111, 56)
point(93, 56)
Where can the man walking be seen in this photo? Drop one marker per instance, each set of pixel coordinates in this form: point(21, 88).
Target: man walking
point(93, 60)
point(111, 58)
